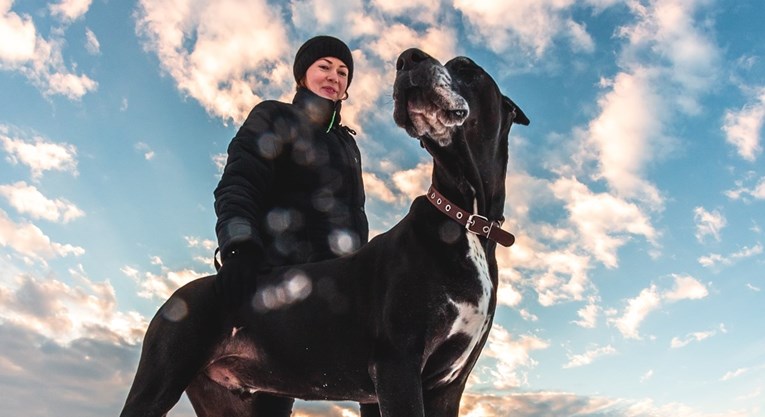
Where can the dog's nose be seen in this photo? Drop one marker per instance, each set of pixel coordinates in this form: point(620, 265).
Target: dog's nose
point(410, 58)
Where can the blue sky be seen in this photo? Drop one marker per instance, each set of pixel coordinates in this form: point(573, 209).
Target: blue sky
point(637, 195)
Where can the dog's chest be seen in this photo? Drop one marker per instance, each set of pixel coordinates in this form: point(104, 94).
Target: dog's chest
point(472, 319)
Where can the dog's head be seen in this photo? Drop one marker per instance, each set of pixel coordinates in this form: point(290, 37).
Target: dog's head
point(432, 101)
point(463, 120)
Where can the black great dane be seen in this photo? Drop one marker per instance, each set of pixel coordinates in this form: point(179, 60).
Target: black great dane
point(400, 323)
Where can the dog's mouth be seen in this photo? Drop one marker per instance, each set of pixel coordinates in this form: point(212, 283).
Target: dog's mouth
point(425, 104)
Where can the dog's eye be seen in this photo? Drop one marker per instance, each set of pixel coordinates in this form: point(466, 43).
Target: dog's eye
point(468, 74)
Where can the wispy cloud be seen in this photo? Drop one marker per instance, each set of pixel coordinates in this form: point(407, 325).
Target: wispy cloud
point(647, 376)
point(636, 311)
point(511, 356)
point(708, 223)
point(588, 315)
point(716, 259)
point(734, 374)
point(743, 127)
point(143, 147)
point(695, 337)
point(91, 42)
point(651, 299)
point(589, 356)
point(744, 190)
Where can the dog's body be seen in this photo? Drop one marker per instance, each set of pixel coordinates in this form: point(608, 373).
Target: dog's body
point(401, 322)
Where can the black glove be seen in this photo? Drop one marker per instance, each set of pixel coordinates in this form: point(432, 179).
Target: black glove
point(236, 278)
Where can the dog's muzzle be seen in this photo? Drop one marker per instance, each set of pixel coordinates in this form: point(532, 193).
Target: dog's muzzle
point(425, 104)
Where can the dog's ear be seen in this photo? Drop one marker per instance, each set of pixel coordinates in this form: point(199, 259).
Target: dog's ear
point(512, 108)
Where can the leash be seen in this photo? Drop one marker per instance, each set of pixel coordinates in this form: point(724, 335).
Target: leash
point(473, 223)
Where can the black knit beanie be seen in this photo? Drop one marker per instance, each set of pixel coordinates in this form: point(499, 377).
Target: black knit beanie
point(319, 47)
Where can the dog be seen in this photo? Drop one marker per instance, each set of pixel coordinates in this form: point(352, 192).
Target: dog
point(398, 325)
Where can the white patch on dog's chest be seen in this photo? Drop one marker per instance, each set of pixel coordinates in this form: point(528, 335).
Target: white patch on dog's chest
point(472, 319)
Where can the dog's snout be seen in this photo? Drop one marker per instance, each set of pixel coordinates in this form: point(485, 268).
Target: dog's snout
point(459, 114)
point(410, 58)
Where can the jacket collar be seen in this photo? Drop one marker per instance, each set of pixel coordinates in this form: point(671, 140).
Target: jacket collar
point(321, 111)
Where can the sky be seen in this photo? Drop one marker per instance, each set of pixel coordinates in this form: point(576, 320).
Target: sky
point(637, 194)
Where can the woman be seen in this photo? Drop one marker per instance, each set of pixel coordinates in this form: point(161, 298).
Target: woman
point(291, 191)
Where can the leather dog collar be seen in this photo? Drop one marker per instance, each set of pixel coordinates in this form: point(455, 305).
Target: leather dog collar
point(473, 223)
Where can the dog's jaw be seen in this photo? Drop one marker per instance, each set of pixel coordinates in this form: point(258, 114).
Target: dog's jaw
point(426, 105)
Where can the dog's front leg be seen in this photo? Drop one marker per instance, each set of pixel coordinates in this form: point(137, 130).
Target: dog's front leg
point(444, 401)
point(399, 386)
point(177, 345)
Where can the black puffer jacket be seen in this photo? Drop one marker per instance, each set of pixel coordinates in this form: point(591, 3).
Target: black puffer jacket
point(292, 184)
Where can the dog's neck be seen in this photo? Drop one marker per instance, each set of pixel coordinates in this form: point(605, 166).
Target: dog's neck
point(476, 183)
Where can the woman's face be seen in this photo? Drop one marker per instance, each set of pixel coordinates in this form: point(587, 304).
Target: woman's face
point(328, 78)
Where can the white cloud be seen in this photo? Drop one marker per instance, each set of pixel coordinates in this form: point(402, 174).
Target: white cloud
point(588, 314)
point(91, 42)
point(667, 64)
point(228, 69)
point(239, 46)
point(743, 127)
point(219, 160)
point(646, 376)
point(715, 259)
point(375, 187)
point(685, 288)
point(27, 199)
point(160, 286)
point(425, 11)
point(413, 182)
point(69, 10)
point(508, 293)
point(589, 356)
point(19, 37)
point(679, 44)
point(531, 26)
point(734, 374)
point(40, 155)
point(67, 337)
point(708, 223)
point(439, 42)
point(757, 191)
point(651, 299)
point(64, 313)
point(148, 153)
point(40, 60)
point(196, 242)
point(547, 403)
point(512, 355)
point(533, 404)
point(636, 311)
point(68, 84)
point(627, 134)
point(604, 221)
point(694, 337)
point(30, 242)
point(325, 16)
